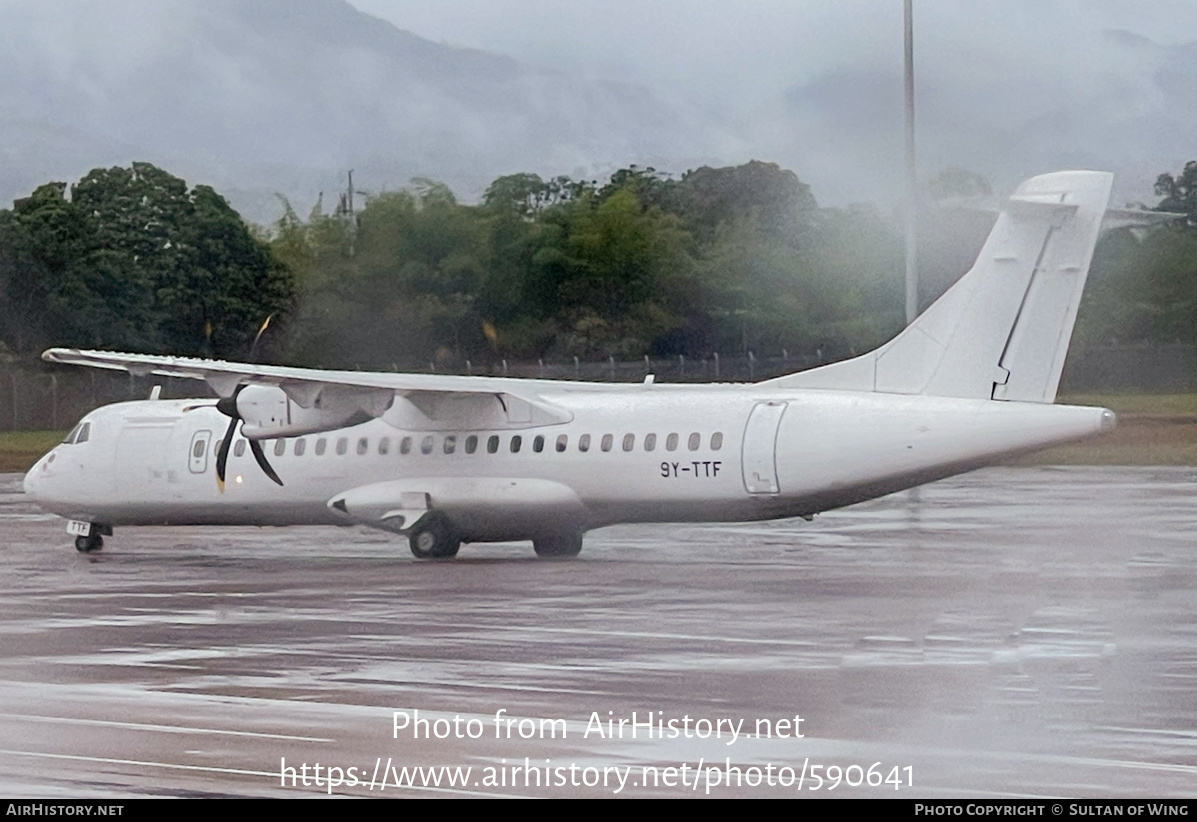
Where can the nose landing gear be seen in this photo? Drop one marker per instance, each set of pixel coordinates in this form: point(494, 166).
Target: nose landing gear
point(89, 544)
point(89, 536)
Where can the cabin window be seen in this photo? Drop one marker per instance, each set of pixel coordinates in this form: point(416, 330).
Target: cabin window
point(84, 433)
point(342, 446)
point(629, 442)
point(197, 450)
point(584, 443)
point(426, 445)
point(239, 448)
point(405, 445)
point(492, 444)
point(516, 442)
point(471, 443)
point(716, 440)
point(606, 442)
point(321, 445)
point(450, 443)
point(671, 442)
point(280, 447)
point(301, 445)
point(384, 446)
point(562, 443)
point(650, 442)
point(70, 438)
point(363, 445)
point(538, 443)
point(695, 441)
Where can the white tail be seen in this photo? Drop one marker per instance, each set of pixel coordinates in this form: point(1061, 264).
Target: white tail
point(1002, 331)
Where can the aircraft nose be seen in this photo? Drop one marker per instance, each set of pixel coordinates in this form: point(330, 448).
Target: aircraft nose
point(29, 485)
point(34, 483)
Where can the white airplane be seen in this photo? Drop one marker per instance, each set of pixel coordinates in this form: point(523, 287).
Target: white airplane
point(452, 459)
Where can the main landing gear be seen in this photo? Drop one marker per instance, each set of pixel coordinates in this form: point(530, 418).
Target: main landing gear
point(562, 546)
point(89, 544)
point(433, 538)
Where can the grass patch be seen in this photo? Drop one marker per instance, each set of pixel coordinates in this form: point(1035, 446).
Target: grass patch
point(1103, 452)
point(20, 449)
point(1153, 429)
point(1156, 405)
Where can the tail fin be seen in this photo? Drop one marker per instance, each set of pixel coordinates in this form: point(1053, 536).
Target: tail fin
point(1002, 331)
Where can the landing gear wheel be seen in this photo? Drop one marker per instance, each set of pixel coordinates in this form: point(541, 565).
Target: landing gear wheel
point(89, 544)
point(562, 546)
point(433, 539)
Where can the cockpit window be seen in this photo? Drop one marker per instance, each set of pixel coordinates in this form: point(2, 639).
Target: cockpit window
point(80, 433)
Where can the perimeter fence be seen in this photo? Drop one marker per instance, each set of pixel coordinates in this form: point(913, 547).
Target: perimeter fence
point(40, 397)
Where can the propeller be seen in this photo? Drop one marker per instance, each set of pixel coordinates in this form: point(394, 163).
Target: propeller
point(228, 407)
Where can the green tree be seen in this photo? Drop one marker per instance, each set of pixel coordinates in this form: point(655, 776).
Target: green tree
point(709, 197)
point(1141, 290)
point(1143, 287)
point(618, 277)
point(723, 259)
point(134, 260)
point(1179, 193)
point(63, 285)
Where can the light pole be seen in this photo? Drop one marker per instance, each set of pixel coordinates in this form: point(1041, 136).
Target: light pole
point(912, 273)
point(912, 270)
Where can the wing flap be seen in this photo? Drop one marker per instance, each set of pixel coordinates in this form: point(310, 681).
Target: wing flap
point(444, 401)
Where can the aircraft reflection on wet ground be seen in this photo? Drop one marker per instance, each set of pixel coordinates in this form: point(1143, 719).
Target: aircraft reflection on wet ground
point(1017, 631)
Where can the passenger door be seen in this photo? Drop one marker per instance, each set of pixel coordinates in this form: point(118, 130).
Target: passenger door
point(758, 456)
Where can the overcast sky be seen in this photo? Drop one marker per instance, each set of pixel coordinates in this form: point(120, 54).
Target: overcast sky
point(987, 69)
point(738, 52)
point(1007, 88)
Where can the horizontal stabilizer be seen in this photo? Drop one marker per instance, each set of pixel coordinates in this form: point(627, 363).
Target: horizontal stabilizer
point(1136, 218)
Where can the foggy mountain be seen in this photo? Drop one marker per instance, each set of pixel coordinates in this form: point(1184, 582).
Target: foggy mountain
point(257, 96)
point(1131, 109)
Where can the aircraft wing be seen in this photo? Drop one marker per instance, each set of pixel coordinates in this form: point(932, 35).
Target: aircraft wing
point(436, 395)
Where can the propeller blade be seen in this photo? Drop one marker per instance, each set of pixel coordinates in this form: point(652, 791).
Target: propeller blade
point(253, 349)
point(260, 456)
point(228, 407)
point(222, 456)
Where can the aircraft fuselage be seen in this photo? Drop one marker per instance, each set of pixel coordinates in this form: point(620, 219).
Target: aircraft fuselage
point(656, 453)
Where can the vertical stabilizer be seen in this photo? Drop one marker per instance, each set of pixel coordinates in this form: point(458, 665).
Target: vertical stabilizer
point(1002, 331)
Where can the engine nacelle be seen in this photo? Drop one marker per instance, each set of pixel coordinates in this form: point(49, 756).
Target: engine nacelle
point(269, 411)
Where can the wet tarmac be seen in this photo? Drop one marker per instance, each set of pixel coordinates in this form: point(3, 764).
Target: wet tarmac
point(1015, 632)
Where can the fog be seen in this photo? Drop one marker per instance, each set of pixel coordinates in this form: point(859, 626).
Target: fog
point(264, 96)
point(1007, 88)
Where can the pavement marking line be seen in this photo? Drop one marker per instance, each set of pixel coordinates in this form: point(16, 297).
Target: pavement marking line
point(67, 720)
point(238, 771)
point(647, 635)
point(1116, 763)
